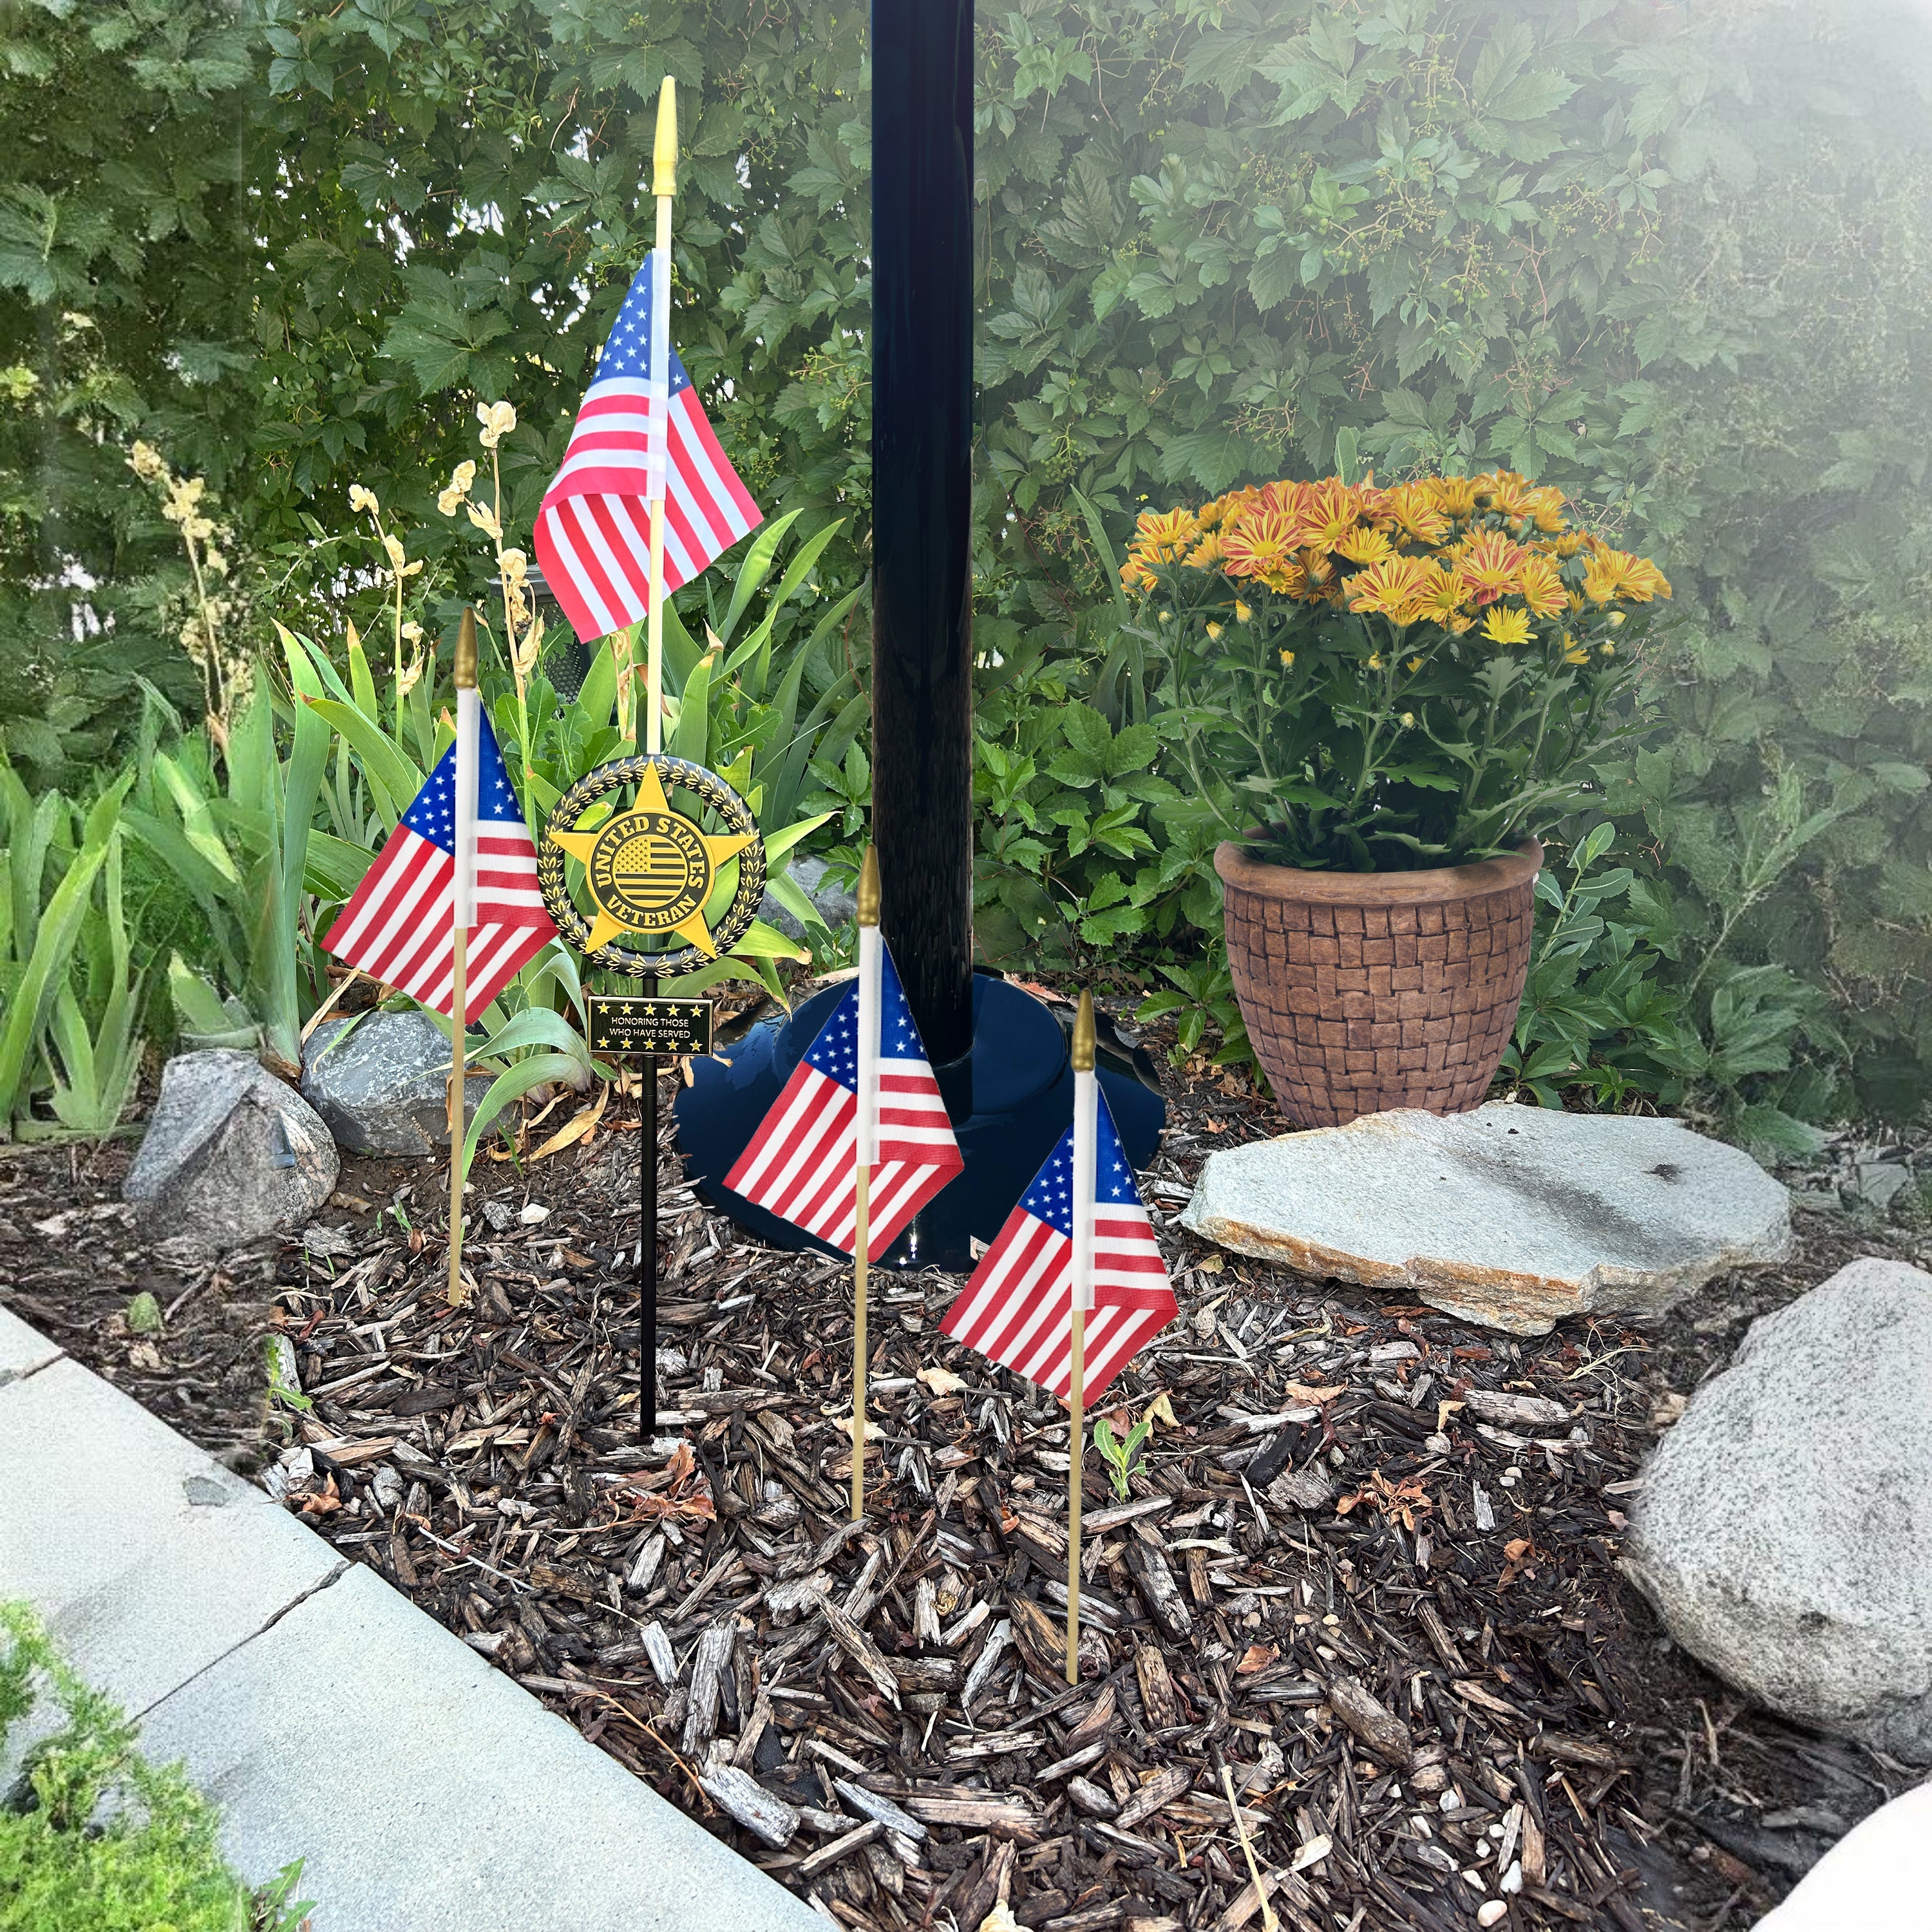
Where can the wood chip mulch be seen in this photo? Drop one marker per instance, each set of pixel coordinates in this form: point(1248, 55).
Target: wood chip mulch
point(1367, 1577)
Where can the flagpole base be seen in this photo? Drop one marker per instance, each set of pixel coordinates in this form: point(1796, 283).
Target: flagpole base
point(1011, 1099)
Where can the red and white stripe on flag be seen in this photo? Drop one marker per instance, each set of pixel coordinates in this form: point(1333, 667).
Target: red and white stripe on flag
point(802, 1163)
point(593, 531)
point(1017, 1308)
point(399, 926)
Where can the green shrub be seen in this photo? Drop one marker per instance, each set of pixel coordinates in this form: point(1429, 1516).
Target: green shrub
point(99, 1840)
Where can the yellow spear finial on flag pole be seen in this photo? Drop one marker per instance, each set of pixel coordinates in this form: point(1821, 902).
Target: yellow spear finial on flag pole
point(462, 915)
point(865, 1153)
point(664, 185)
point(1085, 1131)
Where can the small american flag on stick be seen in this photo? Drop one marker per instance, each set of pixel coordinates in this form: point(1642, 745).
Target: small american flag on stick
point(593, 530)
point(802, 1163)
point(400, 927)
point(1017, 1306)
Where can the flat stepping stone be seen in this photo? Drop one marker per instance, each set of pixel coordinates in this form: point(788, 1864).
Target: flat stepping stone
point(1510, 1216)
point(330, 1718)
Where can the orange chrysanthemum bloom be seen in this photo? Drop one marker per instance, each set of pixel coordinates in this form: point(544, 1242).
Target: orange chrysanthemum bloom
point(1389, 587)
point(1456, 496)
point(1415, 510)
point(1288, 579)
point(1167, 533)
point(1512, 495)
point(1602, 578)
point(1206, 553)
point(1546, 506)
point(1365, 545)
point(1643, 580)
point(1329, 512)
point(1264, 540)
point(1542, 588)
point(1135, 575)
point(1440, 596)
point(1491, 564)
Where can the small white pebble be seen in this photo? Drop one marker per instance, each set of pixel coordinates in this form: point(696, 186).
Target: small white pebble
point(1491, 1911)
point(1472, 1879)
point(1495, 1831)
point(1511, 1881)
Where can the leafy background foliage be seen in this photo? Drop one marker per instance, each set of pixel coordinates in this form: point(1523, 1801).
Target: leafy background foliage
point(1674, 261)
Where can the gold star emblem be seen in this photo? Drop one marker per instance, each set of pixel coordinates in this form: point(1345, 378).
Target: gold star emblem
point(650, 870)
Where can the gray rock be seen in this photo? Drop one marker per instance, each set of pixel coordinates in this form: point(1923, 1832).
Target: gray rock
point(381, 1082)
point(1513, 1216)
point(1784, 1530)
point(231, 1154)
point(836, 905)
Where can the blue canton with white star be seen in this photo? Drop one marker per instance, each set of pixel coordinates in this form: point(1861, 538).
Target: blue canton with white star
point(628, 352)
point(835, 1053)
point(1051, 1196)
point(434, 814)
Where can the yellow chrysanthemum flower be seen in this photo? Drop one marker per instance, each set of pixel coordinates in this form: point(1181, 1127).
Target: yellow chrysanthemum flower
point(1206, 553)
point(1502, 625)
point(1287, 659)
point(1389, 587)
point(1456, 496)
point(1542, 589)
point(1601, 578)
point(1365, 546)
point(1415, 510)
point(1242, 612)
point(1213, 629)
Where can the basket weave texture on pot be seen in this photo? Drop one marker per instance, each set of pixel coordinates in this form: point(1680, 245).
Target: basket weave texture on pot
point(1366, 991)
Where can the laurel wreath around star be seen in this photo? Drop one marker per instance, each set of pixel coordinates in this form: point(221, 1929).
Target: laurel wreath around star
point(649, 870)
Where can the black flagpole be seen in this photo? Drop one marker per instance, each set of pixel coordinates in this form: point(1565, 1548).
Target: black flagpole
point(647, 1246)
point(921, 512)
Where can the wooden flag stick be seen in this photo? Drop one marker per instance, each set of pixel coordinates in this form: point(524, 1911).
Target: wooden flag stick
point(664, 185)
point(463, 914)
point(1270, 1923)
point(1085, 1127)
point(866, 1152)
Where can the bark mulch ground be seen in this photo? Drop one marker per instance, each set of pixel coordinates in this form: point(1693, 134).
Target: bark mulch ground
point(1367, 1577)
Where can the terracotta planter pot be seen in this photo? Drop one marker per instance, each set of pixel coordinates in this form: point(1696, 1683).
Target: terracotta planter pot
point(1363, 990)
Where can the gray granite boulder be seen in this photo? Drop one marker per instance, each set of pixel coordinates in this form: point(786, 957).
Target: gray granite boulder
point(836, 905)
point(1784, 1530)
point(231, 1153)
point(1511, 1216)
point(381, 1083)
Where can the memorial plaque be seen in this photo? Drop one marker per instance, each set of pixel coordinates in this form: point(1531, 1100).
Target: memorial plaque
point(634, 1023)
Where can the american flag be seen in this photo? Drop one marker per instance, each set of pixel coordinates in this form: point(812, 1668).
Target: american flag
point(1017, 1308)
point(593, 532)
point(802, 1163)
point(400, 927)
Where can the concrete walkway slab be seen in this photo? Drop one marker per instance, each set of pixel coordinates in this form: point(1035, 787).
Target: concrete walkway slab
point(429, 1791)
point(22, 1350)
point(331, 1719)
point(148, 1559)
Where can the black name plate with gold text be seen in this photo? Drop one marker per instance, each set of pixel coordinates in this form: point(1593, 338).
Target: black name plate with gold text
point(634, 1023)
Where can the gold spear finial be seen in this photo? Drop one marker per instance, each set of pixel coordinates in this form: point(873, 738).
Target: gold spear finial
point(1083, 1035)
point(466, 651)
point(868, 889)
point(664, 156)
